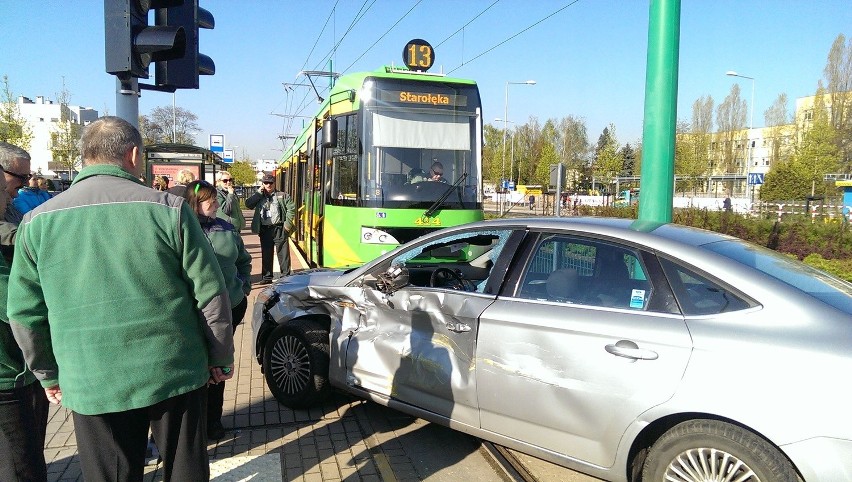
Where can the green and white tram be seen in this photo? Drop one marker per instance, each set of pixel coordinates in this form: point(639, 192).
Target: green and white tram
point(361, 172)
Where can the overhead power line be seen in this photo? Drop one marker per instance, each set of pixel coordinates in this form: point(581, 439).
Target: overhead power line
point(512, 37)
point(382, 36)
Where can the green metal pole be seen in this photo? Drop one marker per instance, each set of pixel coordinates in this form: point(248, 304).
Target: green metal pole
point(658, 134)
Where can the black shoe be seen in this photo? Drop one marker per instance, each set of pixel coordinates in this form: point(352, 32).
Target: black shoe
point(264, 282)
point(215, 431)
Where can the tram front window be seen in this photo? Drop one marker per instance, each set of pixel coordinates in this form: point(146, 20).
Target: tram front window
point(395, 174)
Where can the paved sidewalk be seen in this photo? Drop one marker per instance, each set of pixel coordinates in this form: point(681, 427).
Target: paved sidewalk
point(346, 439)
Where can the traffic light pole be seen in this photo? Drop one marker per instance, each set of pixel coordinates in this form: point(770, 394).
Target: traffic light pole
point(127, 100)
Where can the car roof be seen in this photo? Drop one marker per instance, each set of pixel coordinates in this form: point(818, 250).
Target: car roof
point(644, 232)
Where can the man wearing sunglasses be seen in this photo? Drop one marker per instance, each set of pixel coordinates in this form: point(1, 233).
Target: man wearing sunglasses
point(16, 171)
point(229, 204)
point(274, 213)
point(23, 404)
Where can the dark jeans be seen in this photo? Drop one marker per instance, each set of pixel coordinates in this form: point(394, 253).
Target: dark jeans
point(112, 445)
point(274, 237)
point(23, 423)
point(216, 393)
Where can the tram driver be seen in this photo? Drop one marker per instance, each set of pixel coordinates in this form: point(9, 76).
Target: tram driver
point(437, 172)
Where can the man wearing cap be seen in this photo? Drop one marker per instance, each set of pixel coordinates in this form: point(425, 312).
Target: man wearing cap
point(274, 213)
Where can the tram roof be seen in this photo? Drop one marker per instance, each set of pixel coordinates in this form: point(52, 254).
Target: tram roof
point(354, 81)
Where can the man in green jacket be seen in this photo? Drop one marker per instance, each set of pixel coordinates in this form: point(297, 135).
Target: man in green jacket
point(119, 306)
point(229, 204)
point(274, 214)
point(23, 405)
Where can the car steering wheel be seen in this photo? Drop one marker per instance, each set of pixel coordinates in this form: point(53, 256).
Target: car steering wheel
point(445, 277)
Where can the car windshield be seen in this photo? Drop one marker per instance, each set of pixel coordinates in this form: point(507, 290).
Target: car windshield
point(819, 284)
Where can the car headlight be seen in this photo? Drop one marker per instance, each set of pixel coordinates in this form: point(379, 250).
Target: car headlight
point(265, 295)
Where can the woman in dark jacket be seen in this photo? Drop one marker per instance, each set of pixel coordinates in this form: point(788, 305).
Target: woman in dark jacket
point(235, 263)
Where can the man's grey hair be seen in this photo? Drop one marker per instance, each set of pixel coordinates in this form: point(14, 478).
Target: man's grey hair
point(10, 152)
point(106, 140)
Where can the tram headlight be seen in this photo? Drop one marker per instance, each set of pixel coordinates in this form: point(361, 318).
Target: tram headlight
point(376, 236)
point(367, 91)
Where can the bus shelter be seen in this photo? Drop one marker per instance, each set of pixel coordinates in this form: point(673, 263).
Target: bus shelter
point(167, 159)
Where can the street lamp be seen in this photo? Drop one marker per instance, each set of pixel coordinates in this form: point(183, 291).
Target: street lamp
point(512, 155)
point(506, 116)
point(750, 123)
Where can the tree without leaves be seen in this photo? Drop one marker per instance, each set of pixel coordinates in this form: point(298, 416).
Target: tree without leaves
point(165, 125)
point(731, 120)
point(702, 115)
point(838, 84)
point(14, 129)
point(777, 120)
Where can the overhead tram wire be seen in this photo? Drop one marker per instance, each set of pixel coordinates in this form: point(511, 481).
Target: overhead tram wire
point(513, 36)
point(383, 36)
point(358, 16)
point(319, 35)
point(468, 23)
point(285, 127)
point(304, 103)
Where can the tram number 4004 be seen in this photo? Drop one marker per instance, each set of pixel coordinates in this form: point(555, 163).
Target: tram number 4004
point(427, 221)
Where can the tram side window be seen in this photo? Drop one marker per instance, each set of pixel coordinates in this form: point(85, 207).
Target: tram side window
point(344, 184)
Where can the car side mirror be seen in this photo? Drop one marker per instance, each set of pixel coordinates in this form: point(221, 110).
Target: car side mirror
point(395, 278)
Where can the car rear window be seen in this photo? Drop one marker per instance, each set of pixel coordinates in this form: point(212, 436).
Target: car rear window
point(819, 284)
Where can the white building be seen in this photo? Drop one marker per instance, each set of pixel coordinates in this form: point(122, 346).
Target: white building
point(43, 117)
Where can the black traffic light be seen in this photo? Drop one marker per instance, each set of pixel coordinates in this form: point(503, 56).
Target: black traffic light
point(131, 44)
point(183, 72)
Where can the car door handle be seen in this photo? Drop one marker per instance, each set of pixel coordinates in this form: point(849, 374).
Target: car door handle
point(629, 349)
point(458, 327)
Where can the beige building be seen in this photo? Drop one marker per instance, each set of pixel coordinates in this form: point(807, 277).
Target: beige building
point(755, 150)
point(43, 117)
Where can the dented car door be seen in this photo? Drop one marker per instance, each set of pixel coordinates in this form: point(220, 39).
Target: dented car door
point(416, 346)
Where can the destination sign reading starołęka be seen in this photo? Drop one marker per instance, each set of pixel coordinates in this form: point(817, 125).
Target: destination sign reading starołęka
point(423, 98)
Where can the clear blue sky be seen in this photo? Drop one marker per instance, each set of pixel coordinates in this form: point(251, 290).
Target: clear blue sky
point(587, 56)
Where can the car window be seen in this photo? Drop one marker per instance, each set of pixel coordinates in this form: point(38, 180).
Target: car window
point(574, 270)
point(697, 295)
point(820, 285)
point(470, 255)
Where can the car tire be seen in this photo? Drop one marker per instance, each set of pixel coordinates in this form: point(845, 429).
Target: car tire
point(295, 363)
point(698, 449)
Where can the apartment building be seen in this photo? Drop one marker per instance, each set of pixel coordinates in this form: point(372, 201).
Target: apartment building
point(43, 117)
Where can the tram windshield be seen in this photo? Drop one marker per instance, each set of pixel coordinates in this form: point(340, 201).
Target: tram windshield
point(421, 150)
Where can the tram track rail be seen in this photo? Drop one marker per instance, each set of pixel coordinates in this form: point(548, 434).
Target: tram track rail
point(506, 464)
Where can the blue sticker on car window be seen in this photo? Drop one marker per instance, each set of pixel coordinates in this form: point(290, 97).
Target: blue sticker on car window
point(637, 299)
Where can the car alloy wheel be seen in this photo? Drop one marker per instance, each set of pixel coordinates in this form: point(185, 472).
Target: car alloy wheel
point(715, 451)
point(295, 363)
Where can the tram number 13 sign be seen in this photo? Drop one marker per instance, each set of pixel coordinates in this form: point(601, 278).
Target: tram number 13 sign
point(418, 55)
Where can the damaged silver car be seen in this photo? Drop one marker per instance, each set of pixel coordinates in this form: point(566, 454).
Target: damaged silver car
point(622, 349)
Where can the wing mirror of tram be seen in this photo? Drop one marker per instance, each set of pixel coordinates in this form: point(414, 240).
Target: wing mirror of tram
point(329, 133)
point(395, 278)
